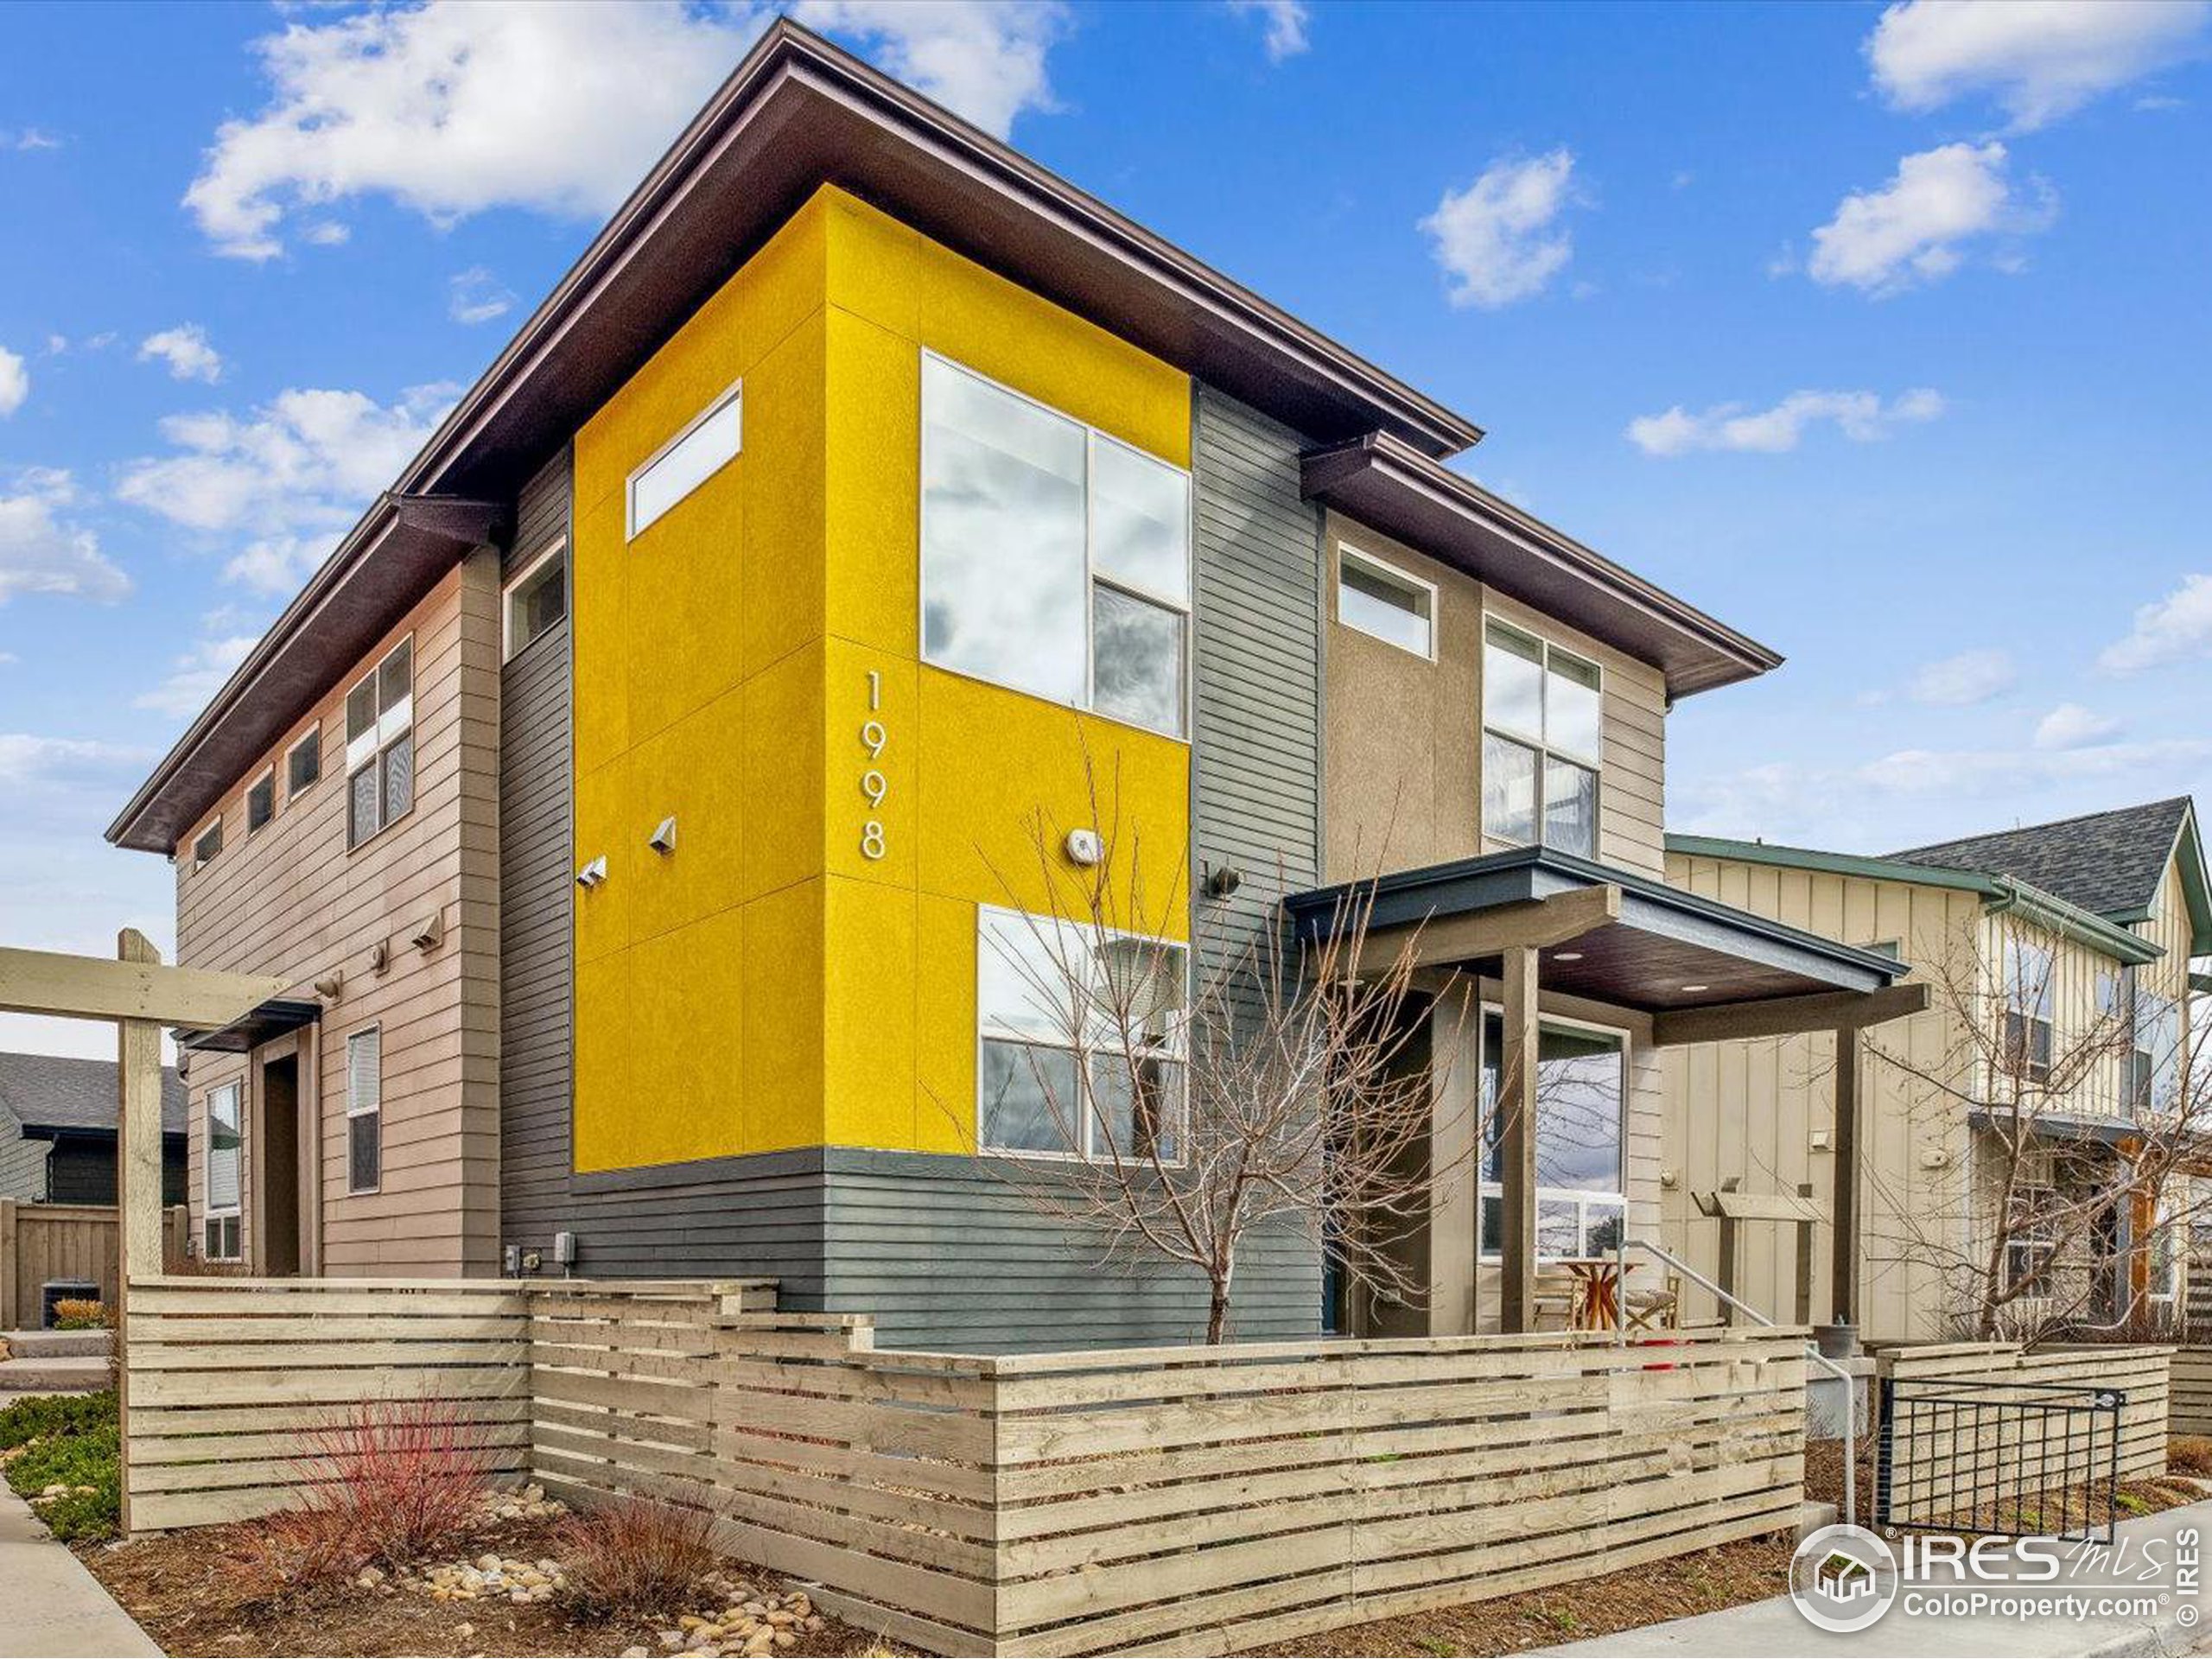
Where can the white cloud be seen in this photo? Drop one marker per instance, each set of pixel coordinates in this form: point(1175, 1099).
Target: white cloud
point(1498, 239)
point(1861, 417)
point(26, 760)
point(15, 381)
point(1915, 228)
point(452, 108)
point(290, 477)
point(197, 675)
point(475, 295)
point(42, 552)
point(2070, 725)
point(1285, 22)
point(2039, 58)
point(186, 350)
point(1971, 677)
point(982, 59)
point(2177, 628)
point(29, 138)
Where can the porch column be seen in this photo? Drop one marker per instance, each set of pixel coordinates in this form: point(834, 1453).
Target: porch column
point(138, 1127)
point(1454, 1130)
point(1517, 1109)
point(1844, 1270)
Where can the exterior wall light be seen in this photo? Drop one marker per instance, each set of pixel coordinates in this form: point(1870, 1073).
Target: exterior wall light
point(1224, 881)
point(593, 873)
point(1084, 847)
point(662, 839)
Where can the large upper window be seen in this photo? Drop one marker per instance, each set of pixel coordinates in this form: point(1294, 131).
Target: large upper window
point(2028, 996)
point(1381, 600)
point(1580, 1086)
point(380, 745)
point(1055, 560)
point(365, 1110)
point(220, 1198)
point(1542, 742)
point(686, 460)
point(2155, 1058)
point(1081, 1039)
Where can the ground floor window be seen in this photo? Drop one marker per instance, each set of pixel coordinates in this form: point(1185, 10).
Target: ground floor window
point(365, 1110)
point(1581, 1090)
point(2029, 1238)
point(222, 1187)
point(1080, 1049)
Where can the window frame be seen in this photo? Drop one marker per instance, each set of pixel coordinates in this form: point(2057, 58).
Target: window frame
point(268, 777)
point(202, 854)
point(209, 1211)
point(1178, 1047)
point(556, 549)
point(2038, 1199)
point(2042, 1017)
point(374, 1029)
point(1487, 1192)
point(1389, 573)
point(1185, 609)
point(734, 392)
point(1542, 745)
point(313, 734)
point(382, 746)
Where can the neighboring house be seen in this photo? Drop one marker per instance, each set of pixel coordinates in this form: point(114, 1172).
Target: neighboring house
point(57, 1131)
point(2072, 930)
point(640, 798)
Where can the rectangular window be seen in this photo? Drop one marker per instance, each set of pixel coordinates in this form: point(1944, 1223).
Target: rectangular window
point(365, 1110)
point(686, 460)
point(1054, 1077)
point(2028, 1238)
point(1542, 742)
point(380, 745)
point(1055, 560)
point(209, 844)
point(2155, 1060)
point(303, 764)
point(1581, 1087)
point(222, 1185)
point(2028, 997)
point(538, 598)
point(261, 801)
point(1384, 600)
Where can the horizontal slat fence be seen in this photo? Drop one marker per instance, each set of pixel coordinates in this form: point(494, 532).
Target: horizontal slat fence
point(2006, 1456)
point(1177, 1499)
point(41, 1242)
point(2190, 1404)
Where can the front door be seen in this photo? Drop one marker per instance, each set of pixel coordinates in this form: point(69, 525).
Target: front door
point(278, 1166)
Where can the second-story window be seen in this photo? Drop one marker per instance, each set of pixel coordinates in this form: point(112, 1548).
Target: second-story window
point(380, 745)
point(1384, 600)
point(209, 844)
point(703, 448)
point(1542, 742)
point(261, 801)
point(2028, 995)
point(304, 763)
point(1055, 560)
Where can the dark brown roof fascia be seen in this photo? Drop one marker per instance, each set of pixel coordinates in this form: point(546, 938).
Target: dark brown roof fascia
point(1398, 490)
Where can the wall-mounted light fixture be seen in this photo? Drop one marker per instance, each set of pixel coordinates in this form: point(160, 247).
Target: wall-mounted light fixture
point(379, 957)
point(662, 839)
point(593, 873)
point(1084, 847)
point(1223, 880)
point(429, 933)
point(332, 985)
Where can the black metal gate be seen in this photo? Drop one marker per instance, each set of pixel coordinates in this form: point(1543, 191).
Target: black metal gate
point(2008, 1459)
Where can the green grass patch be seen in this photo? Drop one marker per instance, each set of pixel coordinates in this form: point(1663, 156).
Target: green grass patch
point(71, 1440)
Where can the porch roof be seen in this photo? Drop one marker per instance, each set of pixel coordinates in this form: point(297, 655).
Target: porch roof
point(264, 1023)
point(1704, 970)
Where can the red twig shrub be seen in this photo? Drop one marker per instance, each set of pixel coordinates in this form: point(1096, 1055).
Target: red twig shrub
point(389, 1484)
point(636, 1557)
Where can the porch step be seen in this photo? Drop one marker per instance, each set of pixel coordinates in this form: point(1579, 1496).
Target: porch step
point(71, 1374)
point(58, 1345)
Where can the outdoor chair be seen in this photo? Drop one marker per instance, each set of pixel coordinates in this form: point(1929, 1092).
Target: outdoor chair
point(1655, 1310)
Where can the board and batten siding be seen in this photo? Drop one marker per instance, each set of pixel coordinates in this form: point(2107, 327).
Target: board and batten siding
point(1754, 1108)
point(291, 901)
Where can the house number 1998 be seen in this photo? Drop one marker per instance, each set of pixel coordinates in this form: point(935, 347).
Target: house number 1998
point(874, 785)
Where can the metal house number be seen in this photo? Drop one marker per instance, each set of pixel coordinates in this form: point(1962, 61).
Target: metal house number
point(874, 785)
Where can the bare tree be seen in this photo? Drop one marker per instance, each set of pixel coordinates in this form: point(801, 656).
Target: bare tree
point(2089, 1105)
point(1167, 1110)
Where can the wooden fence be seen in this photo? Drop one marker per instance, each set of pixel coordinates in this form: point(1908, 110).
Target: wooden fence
point(40, 1242)
point(1951, 1452)
point(1173, 1499)
point(2190, 1404)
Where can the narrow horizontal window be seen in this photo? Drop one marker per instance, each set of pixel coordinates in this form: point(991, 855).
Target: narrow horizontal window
point(1379, 599)
point(261, 801)
point(537, 599)
point(688, 459)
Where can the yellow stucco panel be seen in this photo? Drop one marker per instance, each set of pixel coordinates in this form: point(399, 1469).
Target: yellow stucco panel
point(802, 967)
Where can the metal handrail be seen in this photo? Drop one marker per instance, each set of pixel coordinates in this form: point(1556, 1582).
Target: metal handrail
point(1812, 1352)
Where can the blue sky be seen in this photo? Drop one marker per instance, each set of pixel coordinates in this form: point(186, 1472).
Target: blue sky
point(1880, 333)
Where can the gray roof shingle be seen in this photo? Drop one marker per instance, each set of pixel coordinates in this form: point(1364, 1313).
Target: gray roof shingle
point(47, 1091)
point(2109, 862)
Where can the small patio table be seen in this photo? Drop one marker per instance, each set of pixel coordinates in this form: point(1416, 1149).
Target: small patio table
point(1597, 1290)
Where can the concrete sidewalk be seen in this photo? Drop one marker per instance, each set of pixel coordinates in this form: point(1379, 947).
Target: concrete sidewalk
point(50, 1606)
point(1763, 1630)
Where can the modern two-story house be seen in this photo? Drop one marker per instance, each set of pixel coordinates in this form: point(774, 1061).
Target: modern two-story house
point(2057, 1048)
point(639, 800)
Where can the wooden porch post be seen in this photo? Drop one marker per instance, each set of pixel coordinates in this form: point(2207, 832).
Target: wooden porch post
point(139, 1120)
point(1455, 1114)
point(1517, 1109)
point(1844, 1271)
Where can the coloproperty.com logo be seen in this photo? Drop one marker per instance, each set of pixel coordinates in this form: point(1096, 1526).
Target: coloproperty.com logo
point(1844, 1579)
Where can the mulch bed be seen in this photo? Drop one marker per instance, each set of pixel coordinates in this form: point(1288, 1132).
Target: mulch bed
point(179, 1588)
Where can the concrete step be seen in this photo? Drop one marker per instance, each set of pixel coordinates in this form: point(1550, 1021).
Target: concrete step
point(58, 1344)
point(71, 1374)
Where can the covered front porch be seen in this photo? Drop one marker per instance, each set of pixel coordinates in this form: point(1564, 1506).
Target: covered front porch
point(1548, 985)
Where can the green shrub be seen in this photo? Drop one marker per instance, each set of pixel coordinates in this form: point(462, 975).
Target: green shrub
point(71, 1440)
